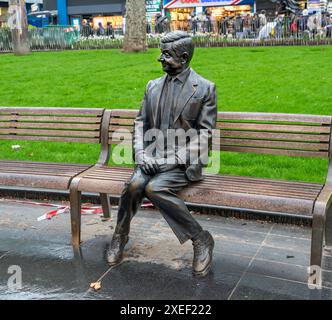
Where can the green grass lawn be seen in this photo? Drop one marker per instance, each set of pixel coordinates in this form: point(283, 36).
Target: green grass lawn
point(260, 79)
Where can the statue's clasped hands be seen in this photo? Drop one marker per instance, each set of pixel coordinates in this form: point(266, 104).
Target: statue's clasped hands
point(151, 166)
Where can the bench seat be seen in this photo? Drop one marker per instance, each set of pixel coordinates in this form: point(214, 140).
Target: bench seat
point(222, 190)
point(39, 174)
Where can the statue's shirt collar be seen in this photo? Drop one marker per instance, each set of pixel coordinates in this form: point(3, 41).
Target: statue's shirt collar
point(182, 77)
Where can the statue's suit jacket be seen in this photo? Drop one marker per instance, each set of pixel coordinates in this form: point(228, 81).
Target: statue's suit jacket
point(195, 108)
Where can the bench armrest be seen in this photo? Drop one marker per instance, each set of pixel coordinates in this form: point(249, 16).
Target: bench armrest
point(104, 135)
point(325, 196)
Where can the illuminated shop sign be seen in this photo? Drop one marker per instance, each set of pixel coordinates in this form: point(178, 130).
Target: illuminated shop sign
point(153, 5)
point(169, 4)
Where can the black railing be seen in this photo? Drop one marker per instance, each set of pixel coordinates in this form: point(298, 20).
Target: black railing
point(274, 32)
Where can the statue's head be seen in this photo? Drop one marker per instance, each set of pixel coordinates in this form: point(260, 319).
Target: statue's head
point(177, 49)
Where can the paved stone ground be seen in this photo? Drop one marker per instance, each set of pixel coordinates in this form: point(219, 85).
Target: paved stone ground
point(252, 260)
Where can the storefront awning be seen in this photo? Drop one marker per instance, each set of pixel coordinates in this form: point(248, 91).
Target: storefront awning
point(169, 4)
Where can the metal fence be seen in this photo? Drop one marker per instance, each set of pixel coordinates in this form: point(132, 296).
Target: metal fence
point(286, 31)
point(5, 40)
point(49, 38)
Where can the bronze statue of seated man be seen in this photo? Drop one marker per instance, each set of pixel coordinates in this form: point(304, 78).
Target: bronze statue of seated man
point(184, 100)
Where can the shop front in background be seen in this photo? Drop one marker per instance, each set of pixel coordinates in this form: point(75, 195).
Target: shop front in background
point(116, 22)
point(205, 14)
point(180, 18)
point(3, 16)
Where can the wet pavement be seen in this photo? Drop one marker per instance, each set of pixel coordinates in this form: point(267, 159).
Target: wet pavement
point(252, 259)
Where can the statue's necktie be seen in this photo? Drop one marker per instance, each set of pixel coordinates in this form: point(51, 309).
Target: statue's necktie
point(168, 106)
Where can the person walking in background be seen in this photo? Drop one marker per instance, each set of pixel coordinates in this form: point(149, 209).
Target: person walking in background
point(255, 25)
point(293, 25)
point(262, 19)
point(194, 22)
point(109, 29)
point(313, 22)
point(246, 25)
point(101, 30)
point(238, 27)
point(303, 21)
point(278, 27)
point(224, 26)
point(208, 22)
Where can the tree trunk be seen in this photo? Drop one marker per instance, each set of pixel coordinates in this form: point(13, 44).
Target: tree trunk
point(135, 34)
point(18, 24)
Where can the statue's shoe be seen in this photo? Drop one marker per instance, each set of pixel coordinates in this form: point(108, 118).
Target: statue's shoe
point(203, 249)
point(114, 253)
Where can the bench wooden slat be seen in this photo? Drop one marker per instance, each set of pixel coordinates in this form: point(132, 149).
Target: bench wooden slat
point(288, 117)
point(262, 188)
point(125, 113)
point(50, 138)
point(272, 127)
point(44, 164)
point(275, 136)
point(42, 173)
point(281, 144)
point(252, 202)
point(18, 163)
point(57, 133)
point(39, 167)
point(49, 119)
point(51, 111)
point(36, 181)
point(59, 126)
point(121, 128)
point(295, 153)
point(241, 179)
point(40, 170)
point(122, 121)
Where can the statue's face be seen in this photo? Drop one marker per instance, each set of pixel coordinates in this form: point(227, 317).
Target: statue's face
point(172, 62)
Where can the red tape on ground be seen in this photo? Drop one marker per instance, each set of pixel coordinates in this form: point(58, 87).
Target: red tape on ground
point(60, 209)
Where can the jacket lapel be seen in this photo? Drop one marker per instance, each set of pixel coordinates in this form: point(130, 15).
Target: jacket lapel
point(187, 91)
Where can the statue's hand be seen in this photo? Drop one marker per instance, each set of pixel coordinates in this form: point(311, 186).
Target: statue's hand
point(149, 166)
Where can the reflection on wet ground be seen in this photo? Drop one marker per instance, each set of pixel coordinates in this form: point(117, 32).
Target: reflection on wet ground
point(252, 260)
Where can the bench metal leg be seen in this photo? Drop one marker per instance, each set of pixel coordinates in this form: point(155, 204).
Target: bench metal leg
point(318, 225)
point(75, 212)
point(328, 228)
point(105, 204)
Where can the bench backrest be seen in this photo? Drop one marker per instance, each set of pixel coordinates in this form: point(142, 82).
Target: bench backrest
point(51, 124)
point(266, 133)
point(273, 133)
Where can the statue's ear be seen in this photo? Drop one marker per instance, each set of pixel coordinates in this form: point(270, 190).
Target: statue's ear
point(185, 57)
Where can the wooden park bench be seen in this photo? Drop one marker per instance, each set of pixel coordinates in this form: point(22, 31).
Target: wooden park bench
point(78, 125)
point(293, 135)
point(262, 133)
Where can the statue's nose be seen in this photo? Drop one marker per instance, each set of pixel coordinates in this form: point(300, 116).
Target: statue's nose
point(161, 58)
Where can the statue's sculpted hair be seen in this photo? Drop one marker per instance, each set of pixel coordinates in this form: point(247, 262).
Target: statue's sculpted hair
point(181, 42)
